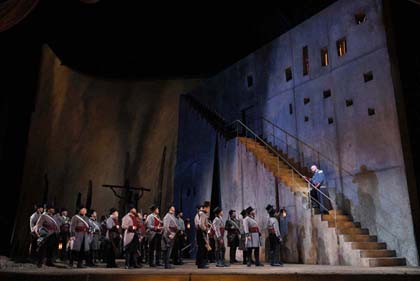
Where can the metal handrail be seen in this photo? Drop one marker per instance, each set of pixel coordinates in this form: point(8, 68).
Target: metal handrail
point(280, 156)
point(304, 143)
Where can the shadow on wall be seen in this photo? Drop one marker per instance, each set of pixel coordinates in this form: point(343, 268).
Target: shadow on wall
point(367, 190)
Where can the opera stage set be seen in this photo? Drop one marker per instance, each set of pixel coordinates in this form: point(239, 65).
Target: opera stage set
point(301, 117)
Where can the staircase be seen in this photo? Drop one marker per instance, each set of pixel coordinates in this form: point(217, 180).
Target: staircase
point(354, 239)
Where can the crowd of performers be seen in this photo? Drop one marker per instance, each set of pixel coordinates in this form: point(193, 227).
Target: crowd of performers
point(146, 238)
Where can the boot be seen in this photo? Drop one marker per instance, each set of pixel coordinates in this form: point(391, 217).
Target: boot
point(218, 258)
point(248, 258)
point(257, 257)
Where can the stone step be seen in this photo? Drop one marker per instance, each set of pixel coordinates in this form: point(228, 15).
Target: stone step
point(377, 253)
point(375, 262)
point(338, 212)
point(353, 230)
point(359, 238)
point(337, 217)
point(343, 224)
point(368, 246)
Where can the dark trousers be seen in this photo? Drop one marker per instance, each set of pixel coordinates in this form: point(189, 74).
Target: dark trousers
point(233, 245)
point(81, 254)
point(47, 249)
point(220, 253)
point(177, 250)
point(256, 255)
point(322, 202)
point(155, 249)
point(202, 250)
point(131, 252)
point(110, 250)
point(274, 255)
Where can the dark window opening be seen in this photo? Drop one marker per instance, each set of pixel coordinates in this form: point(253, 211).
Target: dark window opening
point(324, 56)
point(330, 120)
point(288, 73)
point(327, 94)
point(290, 109)
point(250, 81)
point(306, 118)
point(360, 18)
point(306, 100)
point(368, 76)
point(371, 111)
point(341, 47)
point(349, 102)
point(305, 55)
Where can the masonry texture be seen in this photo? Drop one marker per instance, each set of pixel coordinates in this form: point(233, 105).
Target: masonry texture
point(358, 141)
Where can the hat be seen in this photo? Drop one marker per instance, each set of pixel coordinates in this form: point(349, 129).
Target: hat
point(243, 213)
point(153, 208)
point(269, 208)
point(217, 210)
point(249, 210)
point(112, 210)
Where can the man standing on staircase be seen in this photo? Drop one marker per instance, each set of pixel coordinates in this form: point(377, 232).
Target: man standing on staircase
point(319, 191)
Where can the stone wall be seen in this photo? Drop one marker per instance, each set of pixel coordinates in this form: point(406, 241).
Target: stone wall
point(355, 129)
point(85, 128)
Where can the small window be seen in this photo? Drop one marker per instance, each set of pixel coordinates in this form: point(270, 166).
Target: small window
point(341, 47)
point(290, 109)
point(371, 111)
point(327, 94)
point(250, 81)
point(349, 102)
point(288, 73)
point(305, 60)
point(368, 76)
point(306, 100)
point(324, 56)
point(306, 119)
point(360, 17)
point(330, 120)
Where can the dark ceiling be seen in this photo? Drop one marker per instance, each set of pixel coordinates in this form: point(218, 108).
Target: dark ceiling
point(131, 39)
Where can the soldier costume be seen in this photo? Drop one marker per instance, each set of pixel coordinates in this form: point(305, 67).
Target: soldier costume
point(170, 228)
point(274, 236)
point(202, 236)
point(154, 232)
point(63, 222)
point(112, 238)
point(179, 241)
point(131, 226)
point(219, 234)
point(252, 237)
point(79, 231)
point(33, 253)
point(94, 238)
point(232, 227)
point(242, 238)
point(46, 229)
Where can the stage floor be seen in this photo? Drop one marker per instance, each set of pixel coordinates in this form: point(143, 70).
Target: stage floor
point(189, 272)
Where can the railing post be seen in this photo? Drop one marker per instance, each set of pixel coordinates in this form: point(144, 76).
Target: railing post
point(274, 137)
